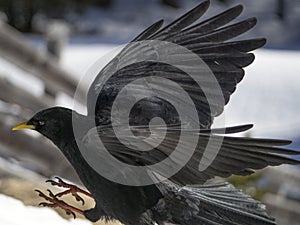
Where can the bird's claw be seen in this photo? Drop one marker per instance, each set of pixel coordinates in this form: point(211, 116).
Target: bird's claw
point(48, 198)
point(71, 213)
point(59, 183)
point(72, 189)
point(55, 202)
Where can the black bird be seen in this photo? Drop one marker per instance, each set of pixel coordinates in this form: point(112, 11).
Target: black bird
point(185, 197)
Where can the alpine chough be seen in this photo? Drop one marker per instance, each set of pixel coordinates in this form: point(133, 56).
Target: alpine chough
point(184, 197)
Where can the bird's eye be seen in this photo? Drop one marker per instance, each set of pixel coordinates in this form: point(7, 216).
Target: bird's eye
point(41, 122)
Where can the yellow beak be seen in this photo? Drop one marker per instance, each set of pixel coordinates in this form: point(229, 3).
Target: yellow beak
point(23, 126)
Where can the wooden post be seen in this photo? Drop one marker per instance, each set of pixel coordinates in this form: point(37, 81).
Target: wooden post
point(57, 36)
point(13, 94)
point(15, 49)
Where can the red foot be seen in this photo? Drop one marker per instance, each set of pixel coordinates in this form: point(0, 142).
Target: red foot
point(72, 189)
point(55, 202)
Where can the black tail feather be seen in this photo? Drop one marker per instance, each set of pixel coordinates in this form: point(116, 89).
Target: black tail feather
point(209, 204)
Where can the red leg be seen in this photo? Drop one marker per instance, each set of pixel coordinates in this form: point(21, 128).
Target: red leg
point(72, 189)
point(55, 202)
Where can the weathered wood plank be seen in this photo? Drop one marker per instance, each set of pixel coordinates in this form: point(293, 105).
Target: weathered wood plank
point(13, 94)
point(15, 49)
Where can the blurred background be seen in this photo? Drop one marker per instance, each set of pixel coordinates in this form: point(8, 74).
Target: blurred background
point(46, 47)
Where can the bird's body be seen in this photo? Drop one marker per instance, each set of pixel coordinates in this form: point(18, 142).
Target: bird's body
point(113, 200)
point(156, 203)
point(172, 201)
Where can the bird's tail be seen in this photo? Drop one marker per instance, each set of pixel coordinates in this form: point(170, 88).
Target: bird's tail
point(209, 204)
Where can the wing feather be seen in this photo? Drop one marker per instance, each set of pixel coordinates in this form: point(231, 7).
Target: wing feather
point(236, 155)
point(208, 39)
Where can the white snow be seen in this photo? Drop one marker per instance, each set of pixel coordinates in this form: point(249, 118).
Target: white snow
point(79, 58)
point(20, 78)
point(269, 95)
point(17, 213)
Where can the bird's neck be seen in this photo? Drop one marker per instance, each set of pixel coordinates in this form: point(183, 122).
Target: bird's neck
point(68, 145)
point(71, 134)
point(82, 168)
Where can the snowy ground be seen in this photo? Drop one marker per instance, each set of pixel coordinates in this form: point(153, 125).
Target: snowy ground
point(269, 95)
point(17, 213)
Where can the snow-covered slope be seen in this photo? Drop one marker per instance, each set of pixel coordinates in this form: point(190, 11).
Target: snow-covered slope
point(269, 95)
point(16, 213)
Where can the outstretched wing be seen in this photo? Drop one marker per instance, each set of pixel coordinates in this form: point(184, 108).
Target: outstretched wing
point(223, 156)
point(208, 39)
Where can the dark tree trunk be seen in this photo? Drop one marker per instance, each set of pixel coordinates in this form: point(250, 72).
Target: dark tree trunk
point(20, 14)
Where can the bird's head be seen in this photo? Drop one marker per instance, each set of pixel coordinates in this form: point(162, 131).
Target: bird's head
point(54, 123)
